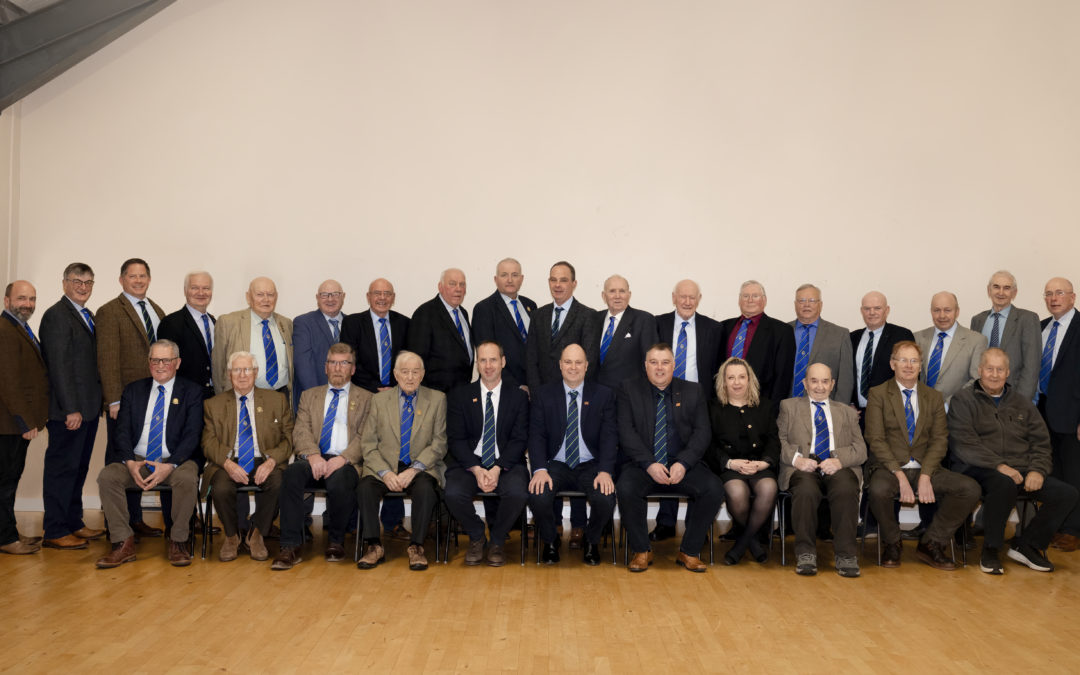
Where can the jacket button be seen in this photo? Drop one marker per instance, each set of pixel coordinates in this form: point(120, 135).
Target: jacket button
point(749, 426)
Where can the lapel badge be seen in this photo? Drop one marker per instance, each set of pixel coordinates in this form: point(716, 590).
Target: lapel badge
point(584, 403)
point(678, 403)
point(176, 401)
point(475, 400)
point(259, 410)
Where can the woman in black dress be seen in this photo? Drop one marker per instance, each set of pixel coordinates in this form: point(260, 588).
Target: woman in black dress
point(745, 452)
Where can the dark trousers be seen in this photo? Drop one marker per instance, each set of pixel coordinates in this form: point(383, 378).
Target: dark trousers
point(507, 501)
point(999, 492)
point(266, 502)
point(842, 491)
point(667, 513)
point(67, 459)
point(340, 501)
point(1067, 469)
point(423, 491)
point(12, 460)
point(699, 484)
point(955, 494)
point(579, 479)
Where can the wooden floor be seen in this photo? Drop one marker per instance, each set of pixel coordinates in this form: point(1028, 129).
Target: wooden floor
point(60, 614)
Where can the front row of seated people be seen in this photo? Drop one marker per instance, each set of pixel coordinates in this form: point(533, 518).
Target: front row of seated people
point(655, 435)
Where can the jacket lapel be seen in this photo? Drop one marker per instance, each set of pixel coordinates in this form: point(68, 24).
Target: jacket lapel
point(958, 341)
point(136, 320)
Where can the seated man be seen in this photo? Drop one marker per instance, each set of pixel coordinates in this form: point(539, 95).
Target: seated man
point(326, 440)
point(486, 430)
point(572, 446)
point(403, 444)
point(997, 437)
point(247, 438)
point(822, 452)
point(908, 436)
point(158, 429)
point(663, 432)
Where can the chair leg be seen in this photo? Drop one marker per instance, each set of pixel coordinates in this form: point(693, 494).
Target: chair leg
point(446, 545)
point(712, 559)
point(208, 528)
point(783, 532)
point(524, 534)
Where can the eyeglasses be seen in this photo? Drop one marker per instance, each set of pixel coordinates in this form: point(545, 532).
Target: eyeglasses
point(162, 362)
point(243, 371)
point(806, 301)
point(751, 296)
point(1049, 294)
point(343, 364)
point(79, 283)
point(333, 294)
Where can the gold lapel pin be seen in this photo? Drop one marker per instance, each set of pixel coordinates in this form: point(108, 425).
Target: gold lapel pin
point(475, 400)
point(176, 401)
point(259, 409)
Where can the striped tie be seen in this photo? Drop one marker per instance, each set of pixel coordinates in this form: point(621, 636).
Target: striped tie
point(245, 453)
point(328, 422)
point(157, 428)
point(555, 323)
point(149, 324)
point(660, 432)
point(995, 331)
point(680, 353)
point(739, 344)
point(334, 329)
point(570, 439)
point(518, 321)
point(933, 369)
point(406, 429)
point(802, 360)
point(487, 453)
point(821, 432)
point(271, 354)
point(384, 353)
point(605, 342)
point(457, 323)
point(89, 319)
point(909, 416)
point(1046, 363)
point(33, 338)
point(867, 360)
point(209, 340)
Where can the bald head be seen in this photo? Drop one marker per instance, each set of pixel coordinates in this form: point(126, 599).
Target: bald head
point(572, 365)
point(380, 296)
point(1059, 296)
point(686, 297)
point(819, 381)
point(452, 287)
point(944, 309)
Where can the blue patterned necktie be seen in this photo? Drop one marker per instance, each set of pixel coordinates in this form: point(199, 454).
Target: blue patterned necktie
point(384, 353)
point(33, 338)
point(457, 323)
point(680, 353)
point(149, 324)
point(1046, 363)
point(660, 431)
point(739, 344)
point(867, 360)
point(271, 354)
point(933, 368)
point(328, 422)
point(519, 322)
point(570, 439)
point(995, 331)
point(89, 319)
point(605, 342)
point(157, 428)
point(909, 416)
point(821, 432)
point(406, 429)
point(802, 360)
point(209, 340)
point(555, 323)
point(334, 331)
point(245, 452)
point(487, 452)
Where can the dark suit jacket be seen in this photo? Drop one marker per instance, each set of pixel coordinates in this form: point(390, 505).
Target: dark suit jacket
point(24, 386)
point(465, 425)
point(771, 355)
point(70, 351)
point(311, 342)
point(742, 433)
point(493, 320)
point(123, 347)
point(195, 363)
point(183, 424)
point(359, 332)
point(273, 428)
point(1062, 403)
point(542, 353)
point(637, 422)
point(547, 424)
point(433, 335)
point(880, 370)
point(709, 347)
point(1021, 338)
point(886, 428)
point(625, 359)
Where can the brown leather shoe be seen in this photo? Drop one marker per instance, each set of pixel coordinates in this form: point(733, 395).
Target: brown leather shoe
point(120, 554)
point(496, 556)
point(229, 548)
point(417, 561)
point(399, 533)
point(141, 529)
point(691, 562)
point(933, 554)
point(577, 538)
point(335, 552)
point(256, 545)
point(641, 561)
point(475, 554)
point(890, 555)
point(1065, 542)
point(373, 556)
point(67, 542)
point(19, 547)
point(88, 533)
point(287, 558)
point(178, 554)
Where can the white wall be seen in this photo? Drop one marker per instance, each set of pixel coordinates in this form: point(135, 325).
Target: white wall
point(907, 147)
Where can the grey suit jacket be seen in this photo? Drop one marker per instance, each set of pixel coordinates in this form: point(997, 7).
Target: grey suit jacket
point(1021, 338)
point(832, 346)
point(232, 333)
point(797, 435)
point(70, 352)
point(542, 352)
point(380, 440)
point(961, 362)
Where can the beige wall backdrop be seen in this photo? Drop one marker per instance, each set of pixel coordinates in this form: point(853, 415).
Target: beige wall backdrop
point(903, 146)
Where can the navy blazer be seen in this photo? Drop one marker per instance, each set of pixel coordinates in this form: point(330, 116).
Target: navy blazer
point(433, 335)
point(625, 358)
point(183, 425)
point(771, 355)
point(1062, 403)
point(311, 343)
point(493, 320)
point(637, 422)
point(880, 370)
point(359, 333)
point(465, 425)
point(547, 424)
point(709, 346)
point(195, 362)
point(70, 351)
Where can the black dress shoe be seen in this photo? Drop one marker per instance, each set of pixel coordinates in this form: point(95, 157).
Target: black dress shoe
point(550, 554)
point(592, 554)
point(662, 532)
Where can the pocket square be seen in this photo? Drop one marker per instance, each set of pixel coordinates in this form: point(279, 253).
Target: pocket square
point(626, 336)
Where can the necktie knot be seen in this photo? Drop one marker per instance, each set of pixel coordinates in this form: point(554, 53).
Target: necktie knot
point(942, 336)
point(573, 395)
point(336, 392)
point(161, 388)
point(243, 400)
point(907, 394)
point(820, 405)
point(685, 324)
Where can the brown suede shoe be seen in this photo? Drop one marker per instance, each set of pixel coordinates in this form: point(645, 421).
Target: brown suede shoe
point(88, 533)
point(1065, 542)
point(256, 545)
point(229, 548)
point(31, 541)
point(335, 552)
point(67, 542)
point(577, 538)
point(417, 561)
point(120, 554)
point(373, 555)
point(641, 561)
point(287, 558)
point(178, 554)
point(496, 556)
point(475, 554)
point(691, 562)
point(19, 547)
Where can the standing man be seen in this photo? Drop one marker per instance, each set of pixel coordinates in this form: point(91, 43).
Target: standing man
point(818, 341)
point(872, 347)
point(260, 331)
point(953, 350)
point(487, 426)
point(625, 335)
point(24, 405)
point(441, 336)
point(1013, 329)
point(1059, 394)
point(70, 348)
point(767, 344)
point(313, 333)
point(192, 328)
point(663, 433)
point(504, 318)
